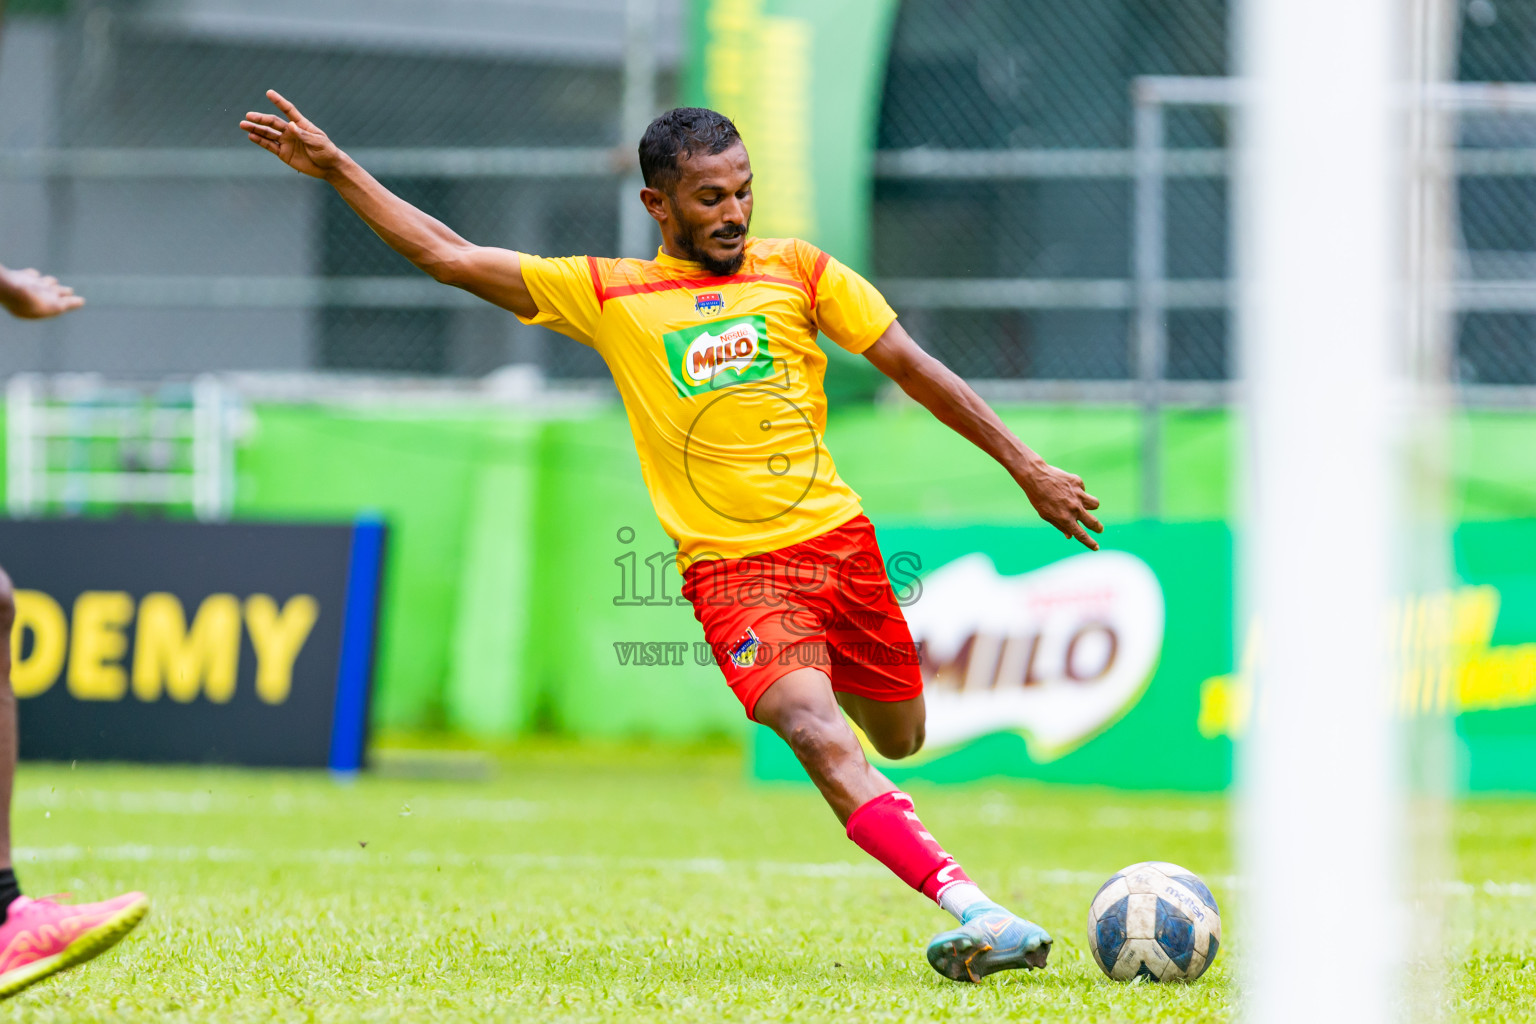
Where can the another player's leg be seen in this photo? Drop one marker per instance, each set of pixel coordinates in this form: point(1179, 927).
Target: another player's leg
point(41, 937)
point(9, 889)
point(801, 707)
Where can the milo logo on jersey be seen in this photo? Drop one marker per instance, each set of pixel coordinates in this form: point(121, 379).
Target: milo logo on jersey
point(718, 353)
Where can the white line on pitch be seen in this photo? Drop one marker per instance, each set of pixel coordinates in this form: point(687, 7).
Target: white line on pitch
point(144, 853)
point(181, 802)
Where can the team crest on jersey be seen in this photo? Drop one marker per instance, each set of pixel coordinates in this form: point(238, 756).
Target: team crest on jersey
point(708, 303)
point(745, 652)
point(718, 354)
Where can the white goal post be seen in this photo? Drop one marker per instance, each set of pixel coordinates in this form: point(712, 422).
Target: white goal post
point(1331, 160)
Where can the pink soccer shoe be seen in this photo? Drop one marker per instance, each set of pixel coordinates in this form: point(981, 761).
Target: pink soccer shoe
point(41, 937)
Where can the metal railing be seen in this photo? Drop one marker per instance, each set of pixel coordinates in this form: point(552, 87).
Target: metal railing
point(1155, 294)
point(74, 442)
point(1147, 295)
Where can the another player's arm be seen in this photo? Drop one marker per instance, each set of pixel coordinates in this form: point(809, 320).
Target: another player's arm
point(495, 275)
point(1056, 494)
point(30, 295)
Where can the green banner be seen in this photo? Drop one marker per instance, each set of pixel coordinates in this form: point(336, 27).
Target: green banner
point(1119, 668)
point(802, 79)
point(504, 556)
point(1469, 652)
point(1082, 669)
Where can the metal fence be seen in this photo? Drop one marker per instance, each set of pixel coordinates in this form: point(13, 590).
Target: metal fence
point(1003, 200)
point(198, 252)
point(1045, 169)
point(1007, 227)
point(75, 442)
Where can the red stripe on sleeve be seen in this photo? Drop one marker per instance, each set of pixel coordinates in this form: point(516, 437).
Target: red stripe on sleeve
point(816, 272)
point(597, 282)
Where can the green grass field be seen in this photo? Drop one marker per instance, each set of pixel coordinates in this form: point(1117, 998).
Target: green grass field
point(618, 884)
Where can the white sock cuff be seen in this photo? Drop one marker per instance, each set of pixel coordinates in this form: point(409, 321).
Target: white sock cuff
point(959, 896)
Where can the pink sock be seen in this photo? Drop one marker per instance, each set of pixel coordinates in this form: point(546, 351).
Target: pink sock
point(888, 829)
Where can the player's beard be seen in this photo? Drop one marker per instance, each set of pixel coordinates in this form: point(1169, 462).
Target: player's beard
point(693, 248)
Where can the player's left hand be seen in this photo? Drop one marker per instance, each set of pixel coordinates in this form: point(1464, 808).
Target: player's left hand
point(34, 296)
point(1061, 501)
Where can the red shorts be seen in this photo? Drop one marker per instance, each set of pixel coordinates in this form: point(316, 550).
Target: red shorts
point(823, 603)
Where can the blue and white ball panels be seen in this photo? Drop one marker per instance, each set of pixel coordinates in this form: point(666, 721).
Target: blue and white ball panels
point(1154, 920)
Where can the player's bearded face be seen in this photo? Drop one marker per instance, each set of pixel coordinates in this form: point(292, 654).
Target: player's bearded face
point(720, 248)
point(712, 209)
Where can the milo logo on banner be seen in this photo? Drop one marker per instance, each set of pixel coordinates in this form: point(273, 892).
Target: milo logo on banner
point(718, 353)
point(1056, 655)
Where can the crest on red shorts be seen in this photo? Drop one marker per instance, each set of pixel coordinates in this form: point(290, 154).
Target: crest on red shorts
point(744, 653)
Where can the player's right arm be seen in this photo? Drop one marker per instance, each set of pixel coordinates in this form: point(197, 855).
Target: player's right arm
point(495, 275)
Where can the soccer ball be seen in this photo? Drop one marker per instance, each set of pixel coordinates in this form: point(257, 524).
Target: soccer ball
point(1154, 920)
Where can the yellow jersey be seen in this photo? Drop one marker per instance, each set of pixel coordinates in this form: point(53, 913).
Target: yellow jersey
point(721, 378)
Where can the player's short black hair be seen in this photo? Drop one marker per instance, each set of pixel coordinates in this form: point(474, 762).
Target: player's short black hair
point(679, 134)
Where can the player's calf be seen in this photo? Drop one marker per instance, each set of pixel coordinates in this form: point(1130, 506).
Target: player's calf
point(883, 822)
point(9, 889)
point(800, 708)
point(7, 605)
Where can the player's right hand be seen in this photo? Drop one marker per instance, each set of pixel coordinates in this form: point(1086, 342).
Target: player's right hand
point(296, 141)
point(29, 295)
point(1060, 499)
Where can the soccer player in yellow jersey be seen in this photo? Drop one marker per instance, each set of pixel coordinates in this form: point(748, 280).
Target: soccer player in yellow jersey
point(713, 347)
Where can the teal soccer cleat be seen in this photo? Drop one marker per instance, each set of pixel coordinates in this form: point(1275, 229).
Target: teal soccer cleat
point(989, 939)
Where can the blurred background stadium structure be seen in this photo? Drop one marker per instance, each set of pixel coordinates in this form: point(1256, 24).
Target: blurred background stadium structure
point(1050, 215)
point(1006, 225)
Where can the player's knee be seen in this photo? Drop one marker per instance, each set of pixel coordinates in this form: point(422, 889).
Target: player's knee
point(898, 744)
point(817, 737)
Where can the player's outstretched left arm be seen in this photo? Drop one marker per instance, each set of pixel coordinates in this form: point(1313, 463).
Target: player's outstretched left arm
point(30, 295)
point(1056, 494)
point(493, 274)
